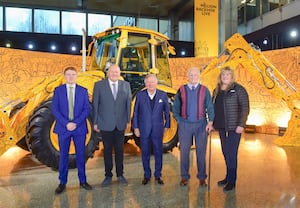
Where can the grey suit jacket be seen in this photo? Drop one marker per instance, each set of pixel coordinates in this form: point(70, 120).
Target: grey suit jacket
point(107, 112)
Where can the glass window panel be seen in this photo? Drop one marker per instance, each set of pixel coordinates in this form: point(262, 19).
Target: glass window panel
point(147, 23)
point(1, 18)
point(164, 27)
point(122, 20)
point(98, 23)
point(186, 31)
point(23, 22)
point(46, 21)
point(73, 22)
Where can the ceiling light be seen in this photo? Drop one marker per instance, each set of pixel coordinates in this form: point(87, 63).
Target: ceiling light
point(53, 47)
point(30, 46)
point(265, 41)
point(293, 33)
point(73, 48)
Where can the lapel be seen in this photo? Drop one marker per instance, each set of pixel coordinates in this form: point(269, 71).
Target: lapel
point(76, 95)
point(156, 99)
point(108, 89)
point(147, 100)
point(119, 87)
point(65, 94)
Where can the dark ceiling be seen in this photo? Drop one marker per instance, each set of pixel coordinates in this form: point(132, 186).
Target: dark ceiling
point(136, 8)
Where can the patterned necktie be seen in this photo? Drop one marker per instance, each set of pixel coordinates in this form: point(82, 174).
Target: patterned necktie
point(71, 103)
point(193, 88)
point(114, 90)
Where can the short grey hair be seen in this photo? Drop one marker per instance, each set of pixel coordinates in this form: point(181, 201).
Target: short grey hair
point(150, 75)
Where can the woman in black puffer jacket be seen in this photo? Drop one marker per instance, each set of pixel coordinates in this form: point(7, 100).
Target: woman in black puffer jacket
point(231, 105)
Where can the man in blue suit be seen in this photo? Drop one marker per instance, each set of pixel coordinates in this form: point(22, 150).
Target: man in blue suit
point(151, 117)
point(70, 107)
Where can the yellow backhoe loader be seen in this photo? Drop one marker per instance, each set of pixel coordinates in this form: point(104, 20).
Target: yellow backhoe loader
point(26, 119)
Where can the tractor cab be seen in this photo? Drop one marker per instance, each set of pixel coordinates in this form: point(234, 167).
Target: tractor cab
point(137, 51)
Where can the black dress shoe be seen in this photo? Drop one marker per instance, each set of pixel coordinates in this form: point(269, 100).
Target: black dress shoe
point(159, 181)
point(60, 188)
point(229, 187)
point(86, 186)
point(222, 182)
point(145, 181)
point(202, 183)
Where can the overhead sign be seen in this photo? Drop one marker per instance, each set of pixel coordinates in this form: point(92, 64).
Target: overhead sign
point(206, 28)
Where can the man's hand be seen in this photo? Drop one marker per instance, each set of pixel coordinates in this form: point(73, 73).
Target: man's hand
point(71, 126)
point(137, 132)
point(209, 127)
point(96, 129)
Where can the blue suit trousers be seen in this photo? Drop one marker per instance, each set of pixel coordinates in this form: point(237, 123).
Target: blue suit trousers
point(153, 141)
point(64, 145)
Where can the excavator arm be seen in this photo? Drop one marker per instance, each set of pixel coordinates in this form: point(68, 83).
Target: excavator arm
point(240, 54)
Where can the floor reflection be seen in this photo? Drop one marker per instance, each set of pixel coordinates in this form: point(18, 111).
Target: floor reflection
point(268, 176)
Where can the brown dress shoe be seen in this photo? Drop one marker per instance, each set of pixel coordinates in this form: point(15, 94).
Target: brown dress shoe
point(202, 182)
point(184, 182)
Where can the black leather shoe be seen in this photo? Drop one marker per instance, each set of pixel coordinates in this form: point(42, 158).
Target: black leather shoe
point(159, 181)
point(202, 183)
point(145, 181)
point(229, 187)
point(222, 182)
point(86, 186)
point(60, 188)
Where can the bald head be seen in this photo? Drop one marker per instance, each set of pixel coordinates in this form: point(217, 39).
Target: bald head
point(193, 75)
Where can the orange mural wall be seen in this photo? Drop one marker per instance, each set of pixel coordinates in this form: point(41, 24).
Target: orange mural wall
point(20, 70)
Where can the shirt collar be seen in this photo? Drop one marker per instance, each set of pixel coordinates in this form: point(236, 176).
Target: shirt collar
point(190, 85)
point(151, 95)
point(111, 82)
point(71, 85)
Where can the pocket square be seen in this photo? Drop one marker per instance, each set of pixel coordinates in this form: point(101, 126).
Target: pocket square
point(160, 101)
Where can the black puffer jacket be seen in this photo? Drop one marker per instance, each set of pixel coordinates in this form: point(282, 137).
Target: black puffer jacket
point(236, 107)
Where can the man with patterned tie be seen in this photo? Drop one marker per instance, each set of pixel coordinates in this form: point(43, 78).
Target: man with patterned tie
point(70, 107)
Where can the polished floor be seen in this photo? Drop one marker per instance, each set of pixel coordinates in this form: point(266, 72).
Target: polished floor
point(268, 176)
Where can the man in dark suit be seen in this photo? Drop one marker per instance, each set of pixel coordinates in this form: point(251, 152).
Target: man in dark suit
point(70, 107)
point(111, 110)
point(151, 117)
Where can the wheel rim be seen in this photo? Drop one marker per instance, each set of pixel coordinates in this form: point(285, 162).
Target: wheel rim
point(54, 138)
point(171, 132)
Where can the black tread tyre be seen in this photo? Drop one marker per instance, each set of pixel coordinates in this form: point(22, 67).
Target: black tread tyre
point(39, 142)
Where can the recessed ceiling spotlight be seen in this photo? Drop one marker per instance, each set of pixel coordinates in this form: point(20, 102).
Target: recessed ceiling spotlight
point(73, 48)
point(293, 33)
point(30, 46)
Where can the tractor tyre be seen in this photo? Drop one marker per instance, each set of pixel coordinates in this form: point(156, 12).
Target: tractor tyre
point(43, 143)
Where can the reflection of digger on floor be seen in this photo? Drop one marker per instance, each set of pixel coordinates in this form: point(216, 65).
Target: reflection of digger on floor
point(26, 119)
point(238, 53)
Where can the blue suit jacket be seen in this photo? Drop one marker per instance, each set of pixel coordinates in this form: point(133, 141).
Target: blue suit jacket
point(60, 110)
point(146, 119)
